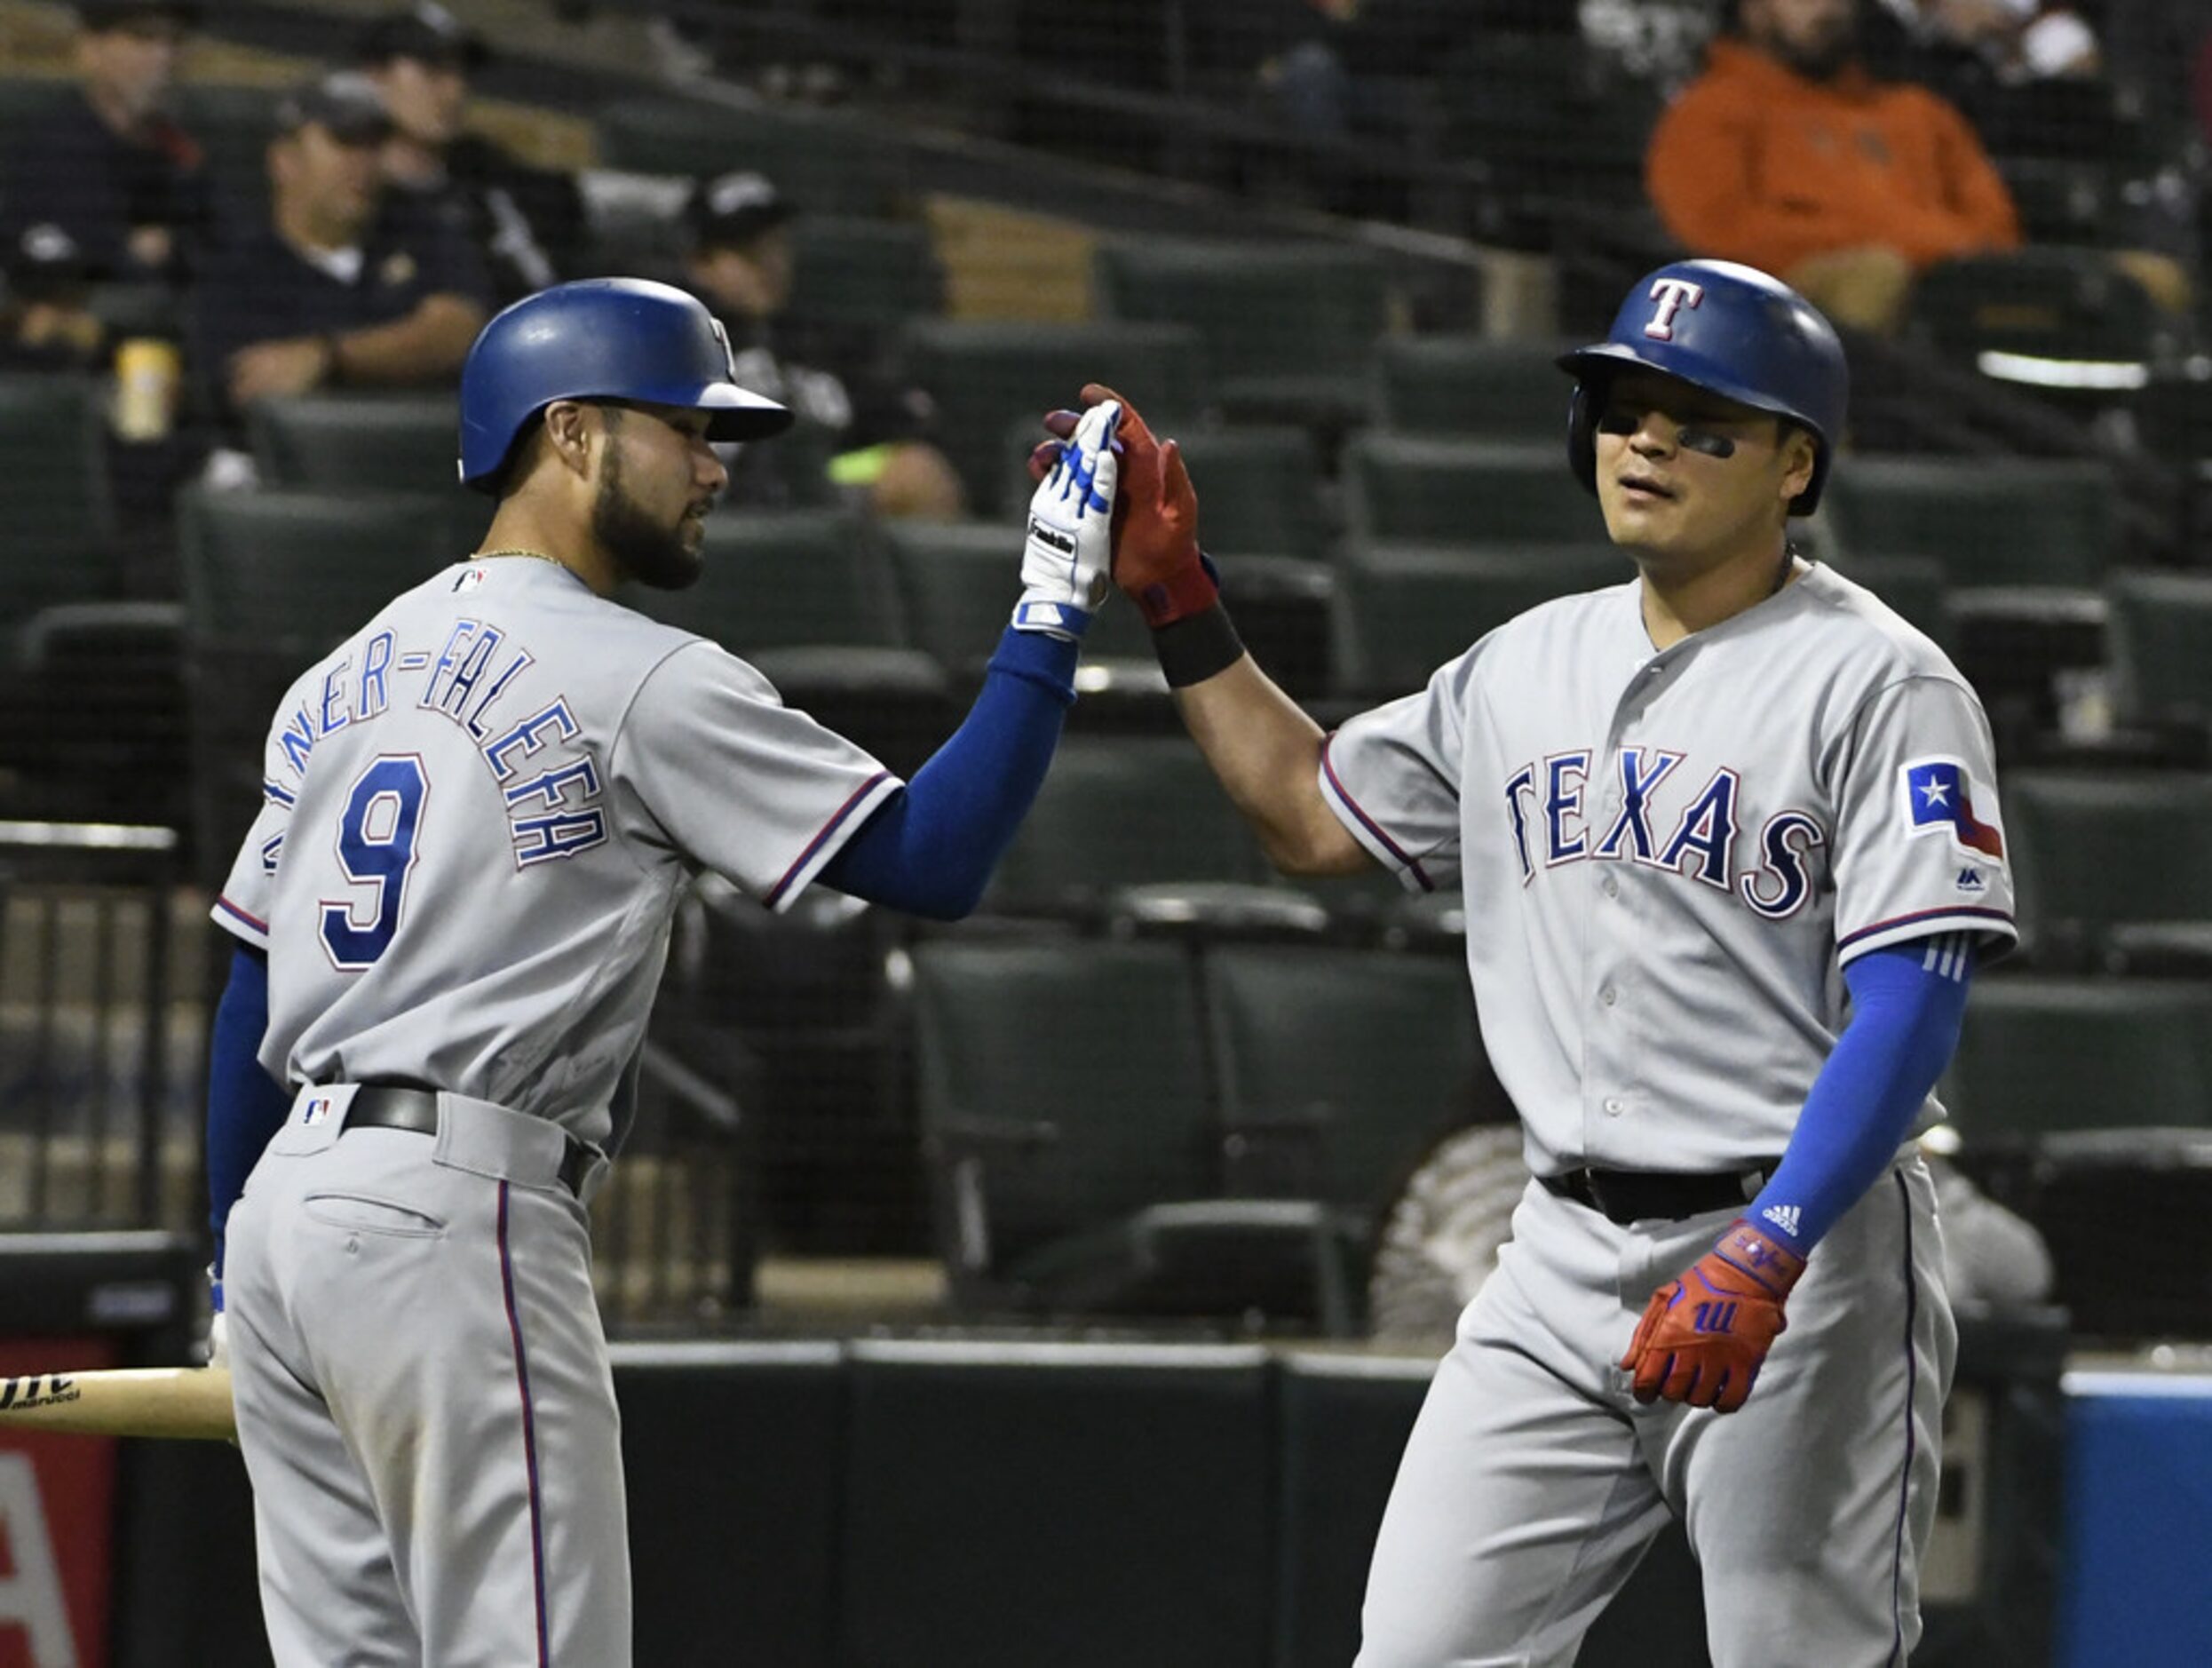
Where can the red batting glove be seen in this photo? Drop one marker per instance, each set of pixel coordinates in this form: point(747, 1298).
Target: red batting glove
point(1703, 1335)
point(1156, 558)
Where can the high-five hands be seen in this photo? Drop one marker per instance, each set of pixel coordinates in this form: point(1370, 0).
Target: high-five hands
point(1705, 1334)
point(1156, 558)
point(1069, 550)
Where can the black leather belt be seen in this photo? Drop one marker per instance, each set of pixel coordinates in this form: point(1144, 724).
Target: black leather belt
point(384, 1107)
point(1641, 1196)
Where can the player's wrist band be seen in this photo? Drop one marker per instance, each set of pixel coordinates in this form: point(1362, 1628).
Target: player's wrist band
point(1197, 646)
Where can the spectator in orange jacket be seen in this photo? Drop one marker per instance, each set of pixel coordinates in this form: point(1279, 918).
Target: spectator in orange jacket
point(1786, 155)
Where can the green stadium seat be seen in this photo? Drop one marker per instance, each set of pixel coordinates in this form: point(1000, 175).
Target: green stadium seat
point(1403, 610)
point(1287, 328)
point(1339, 1067)
point(2106, 854)
point(959, 580)
point(832, 164)
point(872, 274)
point(1120, 812)
point(1465, 492)
point(2062, 322)
point(1073, 1155)
point(2041, 1055)
point(987, 377)
point(390, 442)
point(787, 579)
point(1472, 386)
point(2160, 632)
point(1158, 1456)
point(60, 543)
point(294, 571)
point(1990, 521)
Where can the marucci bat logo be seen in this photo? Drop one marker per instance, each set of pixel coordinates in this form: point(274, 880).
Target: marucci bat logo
point(26, 1392)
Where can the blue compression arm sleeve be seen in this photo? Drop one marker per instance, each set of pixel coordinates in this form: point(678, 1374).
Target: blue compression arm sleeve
point(930, 847)
point(1907, 1004)
point(245, 1105)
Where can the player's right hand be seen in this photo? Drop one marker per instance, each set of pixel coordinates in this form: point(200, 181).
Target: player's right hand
point(1156, 558)
point(1070, 548)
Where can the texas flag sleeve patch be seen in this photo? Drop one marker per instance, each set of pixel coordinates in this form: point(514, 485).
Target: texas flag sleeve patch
point(1941, 794)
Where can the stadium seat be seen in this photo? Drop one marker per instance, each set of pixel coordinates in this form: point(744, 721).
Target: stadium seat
point(2160, 627)
point(986, 377)
point(1465, 492)
point(870, 274)
point(234, 124)
point(1338, 1068)
point(2041, 1055)
point(1117, 812)
point(831, 163)
point(61, 538)
point(1287, 328)
point(787, 579)
point(1158, 1459)
point(1989, 521)
point(392, 442)
point(1404, 609)
point(2108, 860)
point(1474, 387)
point(292, 572)
point(2062, 322)
point(1074, 1157)
point(959, 580)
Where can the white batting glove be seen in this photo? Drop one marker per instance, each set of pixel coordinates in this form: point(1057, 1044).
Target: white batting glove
point(1067, 561)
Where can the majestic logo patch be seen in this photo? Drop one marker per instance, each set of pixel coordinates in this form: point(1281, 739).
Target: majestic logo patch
point(1940, 795)
point(1971, 880)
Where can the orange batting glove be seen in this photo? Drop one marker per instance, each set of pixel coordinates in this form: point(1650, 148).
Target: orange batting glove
point(1704, 1336)
point(1156, 558)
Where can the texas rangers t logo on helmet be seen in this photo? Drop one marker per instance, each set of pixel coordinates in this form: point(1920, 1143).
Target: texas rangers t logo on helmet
point(1672, 294)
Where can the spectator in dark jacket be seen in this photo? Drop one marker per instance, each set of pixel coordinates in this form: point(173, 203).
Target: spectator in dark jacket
point(527, 223)
point(108, 169)
point(339, 287)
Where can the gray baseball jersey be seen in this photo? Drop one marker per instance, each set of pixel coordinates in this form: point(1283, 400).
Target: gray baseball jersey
point(1668, 858)
point(511, 779)
point(480, 812)
point(1765, 800)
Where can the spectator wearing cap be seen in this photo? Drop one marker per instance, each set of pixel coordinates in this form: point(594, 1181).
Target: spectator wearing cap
point(333, 290)
point(46, 320)
point(109, 169)
point(741, 265)
point(527, 223)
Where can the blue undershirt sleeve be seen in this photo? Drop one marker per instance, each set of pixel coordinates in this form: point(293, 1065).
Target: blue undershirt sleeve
point(930, 848)
point(1907, 1004)
point(245, 1105)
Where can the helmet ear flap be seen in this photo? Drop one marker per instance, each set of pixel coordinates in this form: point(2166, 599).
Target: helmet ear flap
point(1582, 433)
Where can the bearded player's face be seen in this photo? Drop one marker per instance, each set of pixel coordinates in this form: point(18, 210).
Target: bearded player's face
point(658, 478)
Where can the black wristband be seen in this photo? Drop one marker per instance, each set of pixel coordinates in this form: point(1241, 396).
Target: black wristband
point(1197, 646)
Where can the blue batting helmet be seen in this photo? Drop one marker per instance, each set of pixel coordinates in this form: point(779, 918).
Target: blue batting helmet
point(1732, 330)
point(600, 338)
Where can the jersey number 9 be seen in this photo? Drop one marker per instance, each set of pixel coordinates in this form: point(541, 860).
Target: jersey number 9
point(377, 836)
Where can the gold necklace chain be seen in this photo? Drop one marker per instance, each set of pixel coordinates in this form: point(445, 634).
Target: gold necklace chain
point(484, 555)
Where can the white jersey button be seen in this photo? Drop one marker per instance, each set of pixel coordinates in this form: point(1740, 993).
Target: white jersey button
point(1606, 996)
point(1612, 1106)
point(1612, 888)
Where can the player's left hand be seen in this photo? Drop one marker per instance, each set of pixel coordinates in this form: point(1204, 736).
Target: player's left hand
point(1704, 1335)
point(1068, 560)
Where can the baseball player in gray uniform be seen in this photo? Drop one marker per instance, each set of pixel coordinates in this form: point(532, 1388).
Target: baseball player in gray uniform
point(1730, 848)
point(451, 914)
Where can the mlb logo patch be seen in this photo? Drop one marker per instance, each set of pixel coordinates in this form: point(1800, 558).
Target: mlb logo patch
point(1939, 796)
point(468, 579)
point(318, 1108)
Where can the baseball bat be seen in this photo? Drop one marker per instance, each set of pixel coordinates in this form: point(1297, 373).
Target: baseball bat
point(191, 1404)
